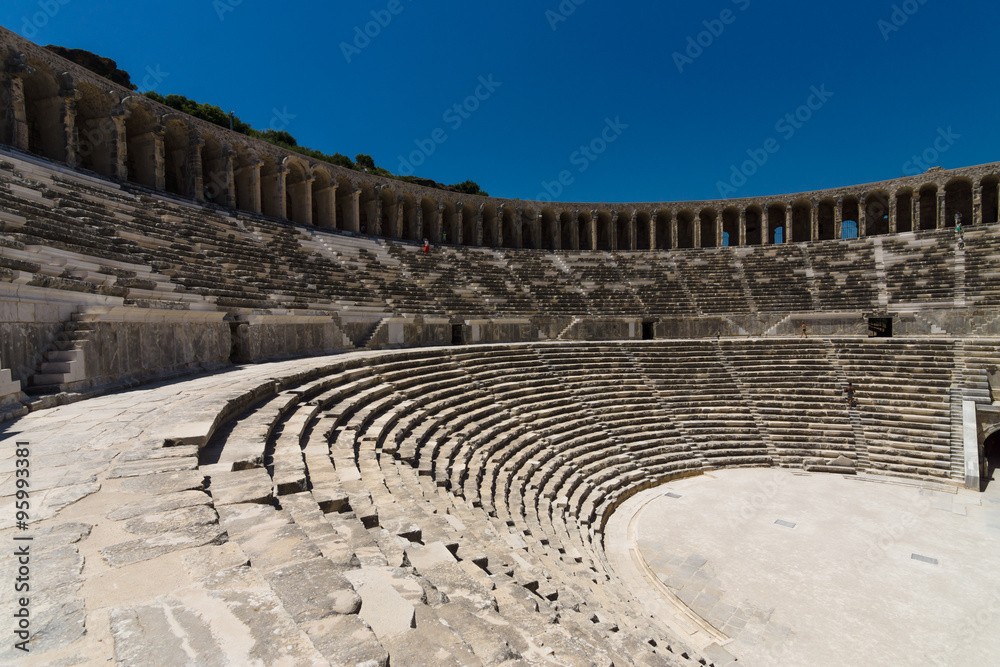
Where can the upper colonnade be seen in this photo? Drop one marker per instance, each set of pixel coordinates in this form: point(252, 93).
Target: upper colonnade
point(56, 109)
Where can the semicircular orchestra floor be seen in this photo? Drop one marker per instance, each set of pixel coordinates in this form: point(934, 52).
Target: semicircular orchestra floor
point(790, 568)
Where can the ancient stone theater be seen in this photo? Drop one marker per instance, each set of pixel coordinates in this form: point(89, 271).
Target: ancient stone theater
point(248, 420)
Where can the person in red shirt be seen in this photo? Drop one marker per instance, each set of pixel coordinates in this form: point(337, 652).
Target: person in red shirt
point(427, 245)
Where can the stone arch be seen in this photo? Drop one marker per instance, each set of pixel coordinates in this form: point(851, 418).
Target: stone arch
point(510, 227)
point(390, 212)
point(96, 131)
point(216, 171)
point(432, 219)
point(826, 220)
point(663, 236)
point(348, 219)
point(45, 112)
point(142, 137)
point(851, 219)
point(529, 230)
point(369, 219)
point(877, 213)
point(776, 219)
point(298, 191)
point(928, 206)
point(904, 210)
point(958, 201)
point(990, 186)
point(490, 226)
point(177, 140)
point(605, 230)
point(685, 229)
point(643, 230)
point(449, 227)
point(324, 199)
point(550, 230)
point(585, 230)
point(272, 199)
point(623, 230)
point(246, 179)
point(410, 230)
point(470, 225)
point(730, 226)
point(755, 225)
point(569, 231)
point(802, 211)
point(709, 237)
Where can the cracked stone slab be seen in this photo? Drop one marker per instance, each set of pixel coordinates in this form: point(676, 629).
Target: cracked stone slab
point(347, 640)
point(134, 551)
point(164, 503)
point(167, 482)
point(243, 486)
point(387, 612)
point(59, 619)
point(171, 520)
point(313, 590)
point(153, 466)
point(188, 627)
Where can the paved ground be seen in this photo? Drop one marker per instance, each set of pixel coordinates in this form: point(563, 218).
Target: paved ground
point(815, 570)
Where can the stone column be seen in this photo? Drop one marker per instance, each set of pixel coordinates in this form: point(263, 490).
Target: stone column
point(696, 231)
point(159, 148)
point(942, 209)
point(862, 218)
point(765, 227)
point(69, 127)
point(353, 222)
point(742, 241)
point(307, 199)
point(250, 177)
point(838, 220)
point(814, 223)
point(977, 205)
point(789, 217)
point(917, 226)
point(197, 174)
point(17, 115)
point(893, 214)
point(719, 229)
point(674, 227)
point(419, 212)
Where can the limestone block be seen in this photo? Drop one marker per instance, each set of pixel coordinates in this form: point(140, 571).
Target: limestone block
point(387, 612)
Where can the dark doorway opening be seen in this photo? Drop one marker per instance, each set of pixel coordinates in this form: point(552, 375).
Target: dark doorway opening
point(648, 330)
point(880, 327)
point(991, 456)
point(457, 334)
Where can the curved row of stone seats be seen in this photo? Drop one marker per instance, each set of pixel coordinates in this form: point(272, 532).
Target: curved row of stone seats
point(441, 562)
point(553, 286)
point(844, 275)
point(706, 401)
point(777, 278)
point(982, 267)
point(920, 268)
point(903, 394)
point(797, 393)
point(658, 281)
point(713, 277)
point(607, 286)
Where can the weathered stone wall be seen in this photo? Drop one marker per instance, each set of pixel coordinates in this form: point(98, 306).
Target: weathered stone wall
point(263, 337)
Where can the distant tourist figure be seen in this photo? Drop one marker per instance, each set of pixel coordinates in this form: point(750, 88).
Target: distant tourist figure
point(958, 223)
point(961, 243)
point(803, 329)
point(849, 392)
point(427, 245)
point(444, 237)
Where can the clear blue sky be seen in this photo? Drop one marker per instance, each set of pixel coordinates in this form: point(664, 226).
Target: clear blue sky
point(895, 85)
